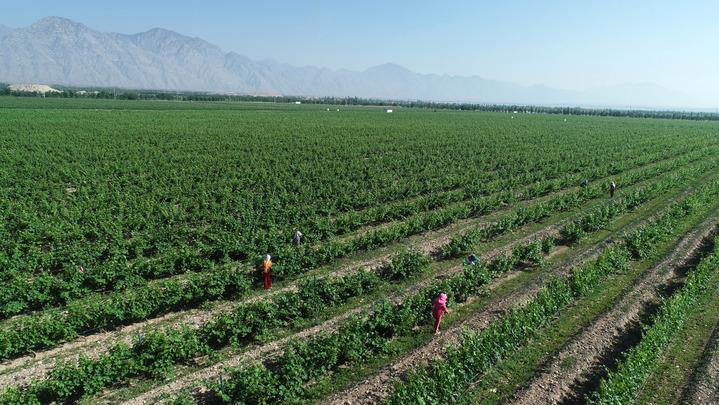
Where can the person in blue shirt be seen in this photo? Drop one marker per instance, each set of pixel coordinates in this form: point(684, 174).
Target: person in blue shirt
point(472, 259)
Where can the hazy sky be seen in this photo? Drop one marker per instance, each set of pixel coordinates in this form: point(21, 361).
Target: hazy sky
point(566, 44)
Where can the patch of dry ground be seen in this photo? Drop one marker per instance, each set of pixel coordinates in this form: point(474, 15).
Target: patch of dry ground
point(33, 88)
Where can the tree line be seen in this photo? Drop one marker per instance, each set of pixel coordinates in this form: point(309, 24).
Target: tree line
point(125, 94)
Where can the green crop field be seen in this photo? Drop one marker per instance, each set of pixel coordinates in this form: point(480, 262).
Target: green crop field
point(132, 235)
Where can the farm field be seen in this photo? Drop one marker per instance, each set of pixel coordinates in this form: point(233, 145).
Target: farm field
point(132, 235)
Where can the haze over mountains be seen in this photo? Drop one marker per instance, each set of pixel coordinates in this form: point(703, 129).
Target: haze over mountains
point(56, 50)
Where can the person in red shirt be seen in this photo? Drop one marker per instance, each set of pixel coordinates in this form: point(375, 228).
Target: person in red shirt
point(439, 307)
point(266, 266)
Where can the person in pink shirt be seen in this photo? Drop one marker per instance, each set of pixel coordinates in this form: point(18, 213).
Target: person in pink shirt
point(439, 307)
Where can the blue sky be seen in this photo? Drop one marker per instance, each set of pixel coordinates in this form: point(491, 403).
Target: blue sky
point(566, 44)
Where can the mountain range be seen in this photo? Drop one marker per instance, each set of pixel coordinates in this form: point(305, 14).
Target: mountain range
point(56, 50)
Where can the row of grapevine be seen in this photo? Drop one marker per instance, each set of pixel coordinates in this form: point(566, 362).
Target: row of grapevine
point(20, 293)
point(461, 243)
point(302, 200)
point(119, 246)
point(51, 327)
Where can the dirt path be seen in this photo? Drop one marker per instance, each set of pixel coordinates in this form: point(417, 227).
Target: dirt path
point(704, 388)
point(583, 356)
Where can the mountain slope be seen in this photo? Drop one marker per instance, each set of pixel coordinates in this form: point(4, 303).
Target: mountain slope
point(60, 51)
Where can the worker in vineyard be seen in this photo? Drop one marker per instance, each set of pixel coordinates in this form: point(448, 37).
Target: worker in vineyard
point(472, 259)
point(612, 189)
point(266, 266)
point(584, 183)
point(439, 308)
point(297, 238)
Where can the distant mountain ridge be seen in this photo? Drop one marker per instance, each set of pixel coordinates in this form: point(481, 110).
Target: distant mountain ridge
point(56, 50)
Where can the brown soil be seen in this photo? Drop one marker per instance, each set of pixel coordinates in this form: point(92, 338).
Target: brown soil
point(583, 357)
